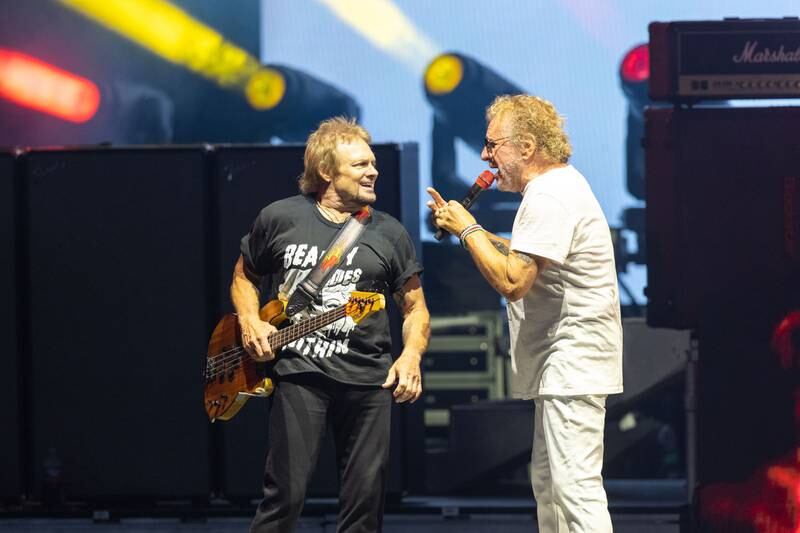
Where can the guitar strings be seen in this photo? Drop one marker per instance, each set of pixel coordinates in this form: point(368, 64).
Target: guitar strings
point(234, 355)
point(277, 338)
point(309, 325)
point(299, 330)
point(231, 358)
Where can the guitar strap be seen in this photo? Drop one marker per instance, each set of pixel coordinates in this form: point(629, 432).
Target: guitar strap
point(339, 247)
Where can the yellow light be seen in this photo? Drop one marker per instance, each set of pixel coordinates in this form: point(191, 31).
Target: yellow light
point(176, 36)
point(265, 89)
point(384, 25)
point(444, 74)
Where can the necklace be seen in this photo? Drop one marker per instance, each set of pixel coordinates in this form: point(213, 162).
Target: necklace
point(332, 215)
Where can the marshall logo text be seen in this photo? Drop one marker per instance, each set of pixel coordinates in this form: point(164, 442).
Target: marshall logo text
point(752, 54)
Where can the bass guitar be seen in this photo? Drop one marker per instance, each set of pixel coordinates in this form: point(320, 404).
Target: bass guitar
point(232, 376)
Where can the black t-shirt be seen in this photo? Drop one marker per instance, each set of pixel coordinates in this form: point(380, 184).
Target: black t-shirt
point(286, 241)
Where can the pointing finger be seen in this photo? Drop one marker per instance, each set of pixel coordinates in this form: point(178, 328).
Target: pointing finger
point(436, 196)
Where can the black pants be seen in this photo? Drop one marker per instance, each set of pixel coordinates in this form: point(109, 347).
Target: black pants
point(302, 408)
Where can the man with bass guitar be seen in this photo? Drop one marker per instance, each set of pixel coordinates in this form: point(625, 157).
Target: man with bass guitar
point(340, 375)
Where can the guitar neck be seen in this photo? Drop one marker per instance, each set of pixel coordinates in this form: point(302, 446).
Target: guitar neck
point(284, 336)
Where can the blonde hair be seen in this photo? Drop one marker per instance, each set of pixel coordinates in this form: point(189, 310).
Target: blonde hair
point(321, 145)
point(534, 116)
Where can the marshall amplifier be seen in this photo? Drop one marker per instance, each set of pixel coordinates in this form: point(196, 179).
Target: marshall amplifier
point(731, 58)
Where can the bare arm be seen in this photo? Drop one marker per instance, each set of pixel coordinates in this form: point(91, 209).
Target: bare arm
point(416, 329)
point(245, 298)
point(416, 319)
point(511, 273)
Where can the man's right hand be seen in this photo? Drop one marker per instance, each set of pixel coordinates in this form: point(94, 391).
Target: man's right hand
point(255, 338)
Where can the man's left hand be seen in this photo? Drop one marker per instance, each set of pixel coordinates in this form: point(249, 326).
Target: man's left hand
point(406, 374)
point(450, 216)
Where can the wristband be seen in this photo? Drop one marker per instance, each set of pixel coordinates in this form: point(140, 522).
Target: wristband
point(468, 231)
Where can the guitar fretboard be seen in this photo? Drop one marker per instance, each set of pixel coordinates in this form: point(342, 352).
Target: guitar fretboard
point(229, 360)
point(282, 337)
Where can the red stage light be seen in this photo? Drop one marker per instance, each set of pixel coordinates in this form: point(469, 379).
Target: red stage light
point(32, 83)
point(785, 339)
point(636, 65)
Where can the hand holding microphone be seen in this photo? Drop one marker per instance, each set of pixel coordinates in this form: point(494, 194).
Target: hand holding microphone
point(452, 216)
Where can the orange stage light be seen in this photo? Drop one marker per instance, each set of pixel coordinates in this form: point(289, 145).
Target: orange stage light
point(32, 83)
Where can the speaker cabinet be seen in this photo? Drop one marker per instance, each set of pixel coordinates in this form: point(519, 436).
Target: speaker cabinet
point(10, 420)
point(723, 217)
point(723, 204)
point(118, 320)
point(128, 256)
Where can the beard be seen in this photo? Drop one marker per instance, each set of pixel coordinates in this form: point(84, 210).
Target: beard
point(367, 197)
point(510, 176)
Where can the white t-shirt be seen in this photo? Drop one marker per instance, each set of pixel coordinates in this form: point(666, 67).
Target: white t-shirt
point(566, 333)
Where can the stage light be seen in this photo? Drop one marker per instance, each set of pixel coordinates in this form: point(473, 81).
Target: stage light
point(32, 83)
point(635, 67)
point(265, 89)
point(305, 102)
point(128, 113)
point(444, 74)
point(176, 36)
point(634, 73)
point(459, 89)
point(293, 102)
point(173, 34)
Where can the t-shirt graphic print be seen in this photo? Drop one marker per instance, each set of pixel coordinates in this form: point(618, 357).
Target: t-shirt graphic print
point(287, 240)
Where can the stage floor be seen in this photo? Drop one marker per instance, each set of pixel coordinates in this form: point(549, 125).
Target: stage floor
point(636, 505)
point(393, 524)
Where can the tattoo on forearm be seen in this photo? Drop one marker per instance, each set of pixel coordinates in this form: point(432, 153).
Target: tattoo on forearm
point(524, 258)
point(502, 248)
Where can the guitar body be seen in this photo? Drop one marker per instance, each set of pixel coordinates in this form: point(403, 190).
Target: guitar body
point(242, 377)
point(232, 376)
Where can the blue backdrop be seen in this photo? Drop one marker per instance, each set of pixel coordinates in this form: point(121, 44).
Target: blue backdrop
point(567, 51)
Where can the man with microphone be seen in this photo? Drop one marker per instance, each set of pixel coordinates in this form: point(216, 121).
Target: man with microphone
point(483, 182)
point(558, 274)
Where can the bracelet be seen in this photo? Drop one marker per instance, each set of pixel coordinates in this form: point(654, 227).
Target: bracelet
point(468, 231)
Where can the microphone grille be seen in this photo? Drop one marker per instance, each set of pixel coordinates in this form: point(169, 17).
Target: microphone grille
point(485, 179)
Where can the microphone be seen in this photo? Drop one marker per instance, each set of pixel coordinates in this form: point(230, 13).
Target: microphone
point(483, 182)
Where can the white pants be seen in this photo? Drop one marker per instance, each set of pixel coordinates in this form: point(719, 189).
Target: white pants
point(566, 464)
